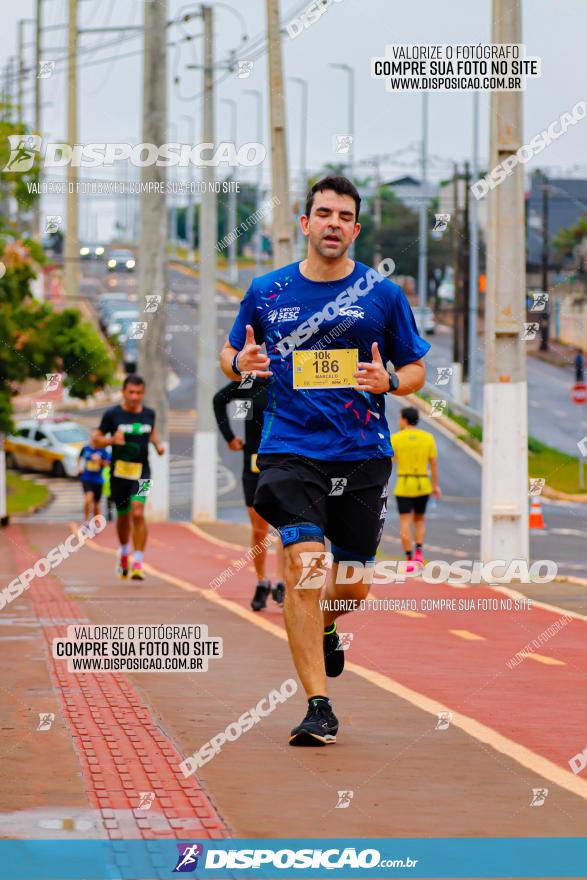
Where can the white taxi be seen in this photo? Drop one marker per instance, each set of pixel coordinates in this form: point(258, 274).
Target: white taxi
point(50, 445)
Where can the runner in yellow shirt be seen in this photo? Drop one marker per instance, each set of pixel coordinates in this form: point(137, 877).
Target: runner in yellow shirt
point(414, 450)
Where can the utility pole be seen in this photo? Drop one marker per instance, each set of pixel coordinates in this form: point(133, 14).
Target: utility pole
point(474, 402)
point(282, 221)
point(152, 258)
point(504, 495)
point(204, 496)
point(232, 257)
point(37, 124)
point(71, 200)
point(545, 317)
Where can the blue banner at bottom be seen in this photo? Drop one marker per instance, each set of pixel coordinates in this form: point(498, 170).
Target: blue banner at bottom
point(304, 858)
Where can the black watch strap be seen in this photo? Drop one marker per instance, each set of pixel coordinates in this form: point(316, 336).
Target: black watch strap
point(234, 366)
point(393, 381)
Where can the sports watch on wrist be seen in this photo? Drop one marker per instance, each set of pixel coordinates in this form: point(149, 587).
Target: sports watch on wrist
point(234, 365)
point(393, 380)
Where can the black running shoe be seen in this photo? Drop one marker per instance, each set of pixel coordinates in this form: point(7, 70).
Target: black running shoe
point(319, 727)
point(333, 654)
point(259, 600)
point(278, 592)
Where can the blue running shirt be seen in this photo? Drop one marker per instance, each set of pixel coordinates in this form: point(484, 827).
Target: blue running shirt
point(327, 423)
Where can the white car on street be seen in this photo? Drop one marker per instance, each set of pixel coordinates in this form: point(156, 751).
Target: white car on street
point(50, 445)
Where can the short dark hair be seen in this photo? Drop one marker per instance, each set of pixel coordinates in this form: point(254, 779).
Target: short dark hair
point(341, 186)
point(132, 379)
point(411, 415)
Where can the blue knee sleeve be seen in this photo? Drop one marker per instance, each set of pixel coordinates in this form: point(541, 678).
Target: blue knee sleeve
point(340, 555)
point(301, 533)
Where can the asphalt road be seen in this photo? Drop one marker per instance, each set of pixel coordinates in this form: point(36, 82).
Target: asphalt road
point(552, 417)
point(453, 521)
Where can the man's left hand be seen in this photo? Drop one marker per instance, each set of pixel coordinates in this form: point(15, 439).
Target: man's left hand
point(372, 377)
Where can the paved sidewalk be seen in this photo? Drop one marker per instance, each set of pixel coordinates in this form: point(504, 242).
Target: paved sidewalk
point(512, 730)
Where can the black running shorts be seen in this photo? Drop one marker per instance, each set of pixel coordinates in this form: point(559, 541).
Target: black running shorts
point(417, 504)
point(94, 488)
point(123, 492)
point(345, 499)
point(250, 487)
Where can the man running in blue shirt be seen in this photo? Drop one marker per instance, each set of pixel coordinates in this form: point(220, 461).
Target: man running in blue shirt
point(330, 326)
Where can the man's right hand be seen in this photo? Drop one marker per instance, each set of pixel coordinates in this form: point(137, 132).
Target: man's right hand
point(251, 359)
point(236, 444)
point(118, 438)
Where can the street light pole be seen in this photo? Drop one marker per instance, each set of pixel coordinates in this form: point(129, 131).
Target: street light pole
point(172, 221)
point(190, 237)
point(232, 258)
point(37, 122)
point(20, 69)
point(351, 123)
point(351, 113)
point(303, 154)
point(474, 402)
point(423, 220)
point(204, 497)
point(545, 322)
point(259, 185)
point(377, 217)
point(72, 205)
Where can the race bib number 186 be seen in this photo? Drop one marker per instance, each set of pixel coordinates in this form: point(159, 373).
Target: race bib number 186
point(332, 368)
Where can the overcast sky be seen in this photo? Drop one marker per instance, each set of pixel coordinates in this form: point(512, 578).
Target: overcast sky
point(350, 31)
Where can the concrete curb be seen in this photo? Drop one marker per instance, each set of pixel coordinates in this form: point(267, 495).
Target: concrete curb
point(101, 398)
point(186, 267)
point(454, 432)
point(451, 429)
point(571, 579)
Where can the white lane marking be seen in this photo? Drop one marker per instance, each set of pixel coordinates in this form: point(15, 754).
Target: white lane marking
point(577, 532)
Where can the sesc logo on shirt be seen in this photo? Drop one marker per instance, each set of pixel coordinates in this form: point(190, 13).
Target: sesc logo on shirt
point(287, 313)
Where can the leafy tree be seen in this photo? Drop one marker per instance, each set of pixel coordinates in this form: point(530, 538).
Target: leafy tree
point(36, 340)
point(398, 238)
point(566, 240)
point(19, 184)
